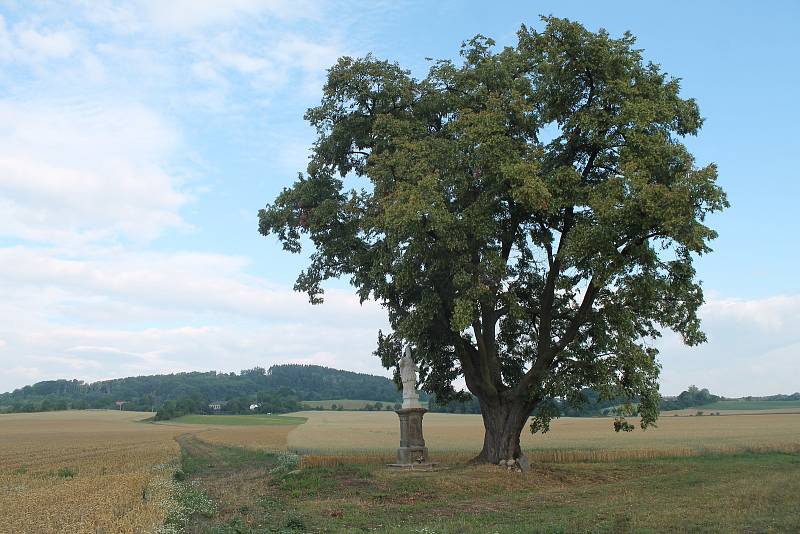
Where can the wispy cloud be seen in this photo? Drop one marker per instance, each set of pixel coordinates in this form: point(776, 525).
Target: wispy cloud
point(25, 43)
point(84, 173)
point(147, 312)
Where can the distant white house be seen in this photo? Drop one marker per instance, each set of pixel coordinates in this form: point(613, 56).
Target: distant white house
point(216, 406)
point(254, 407)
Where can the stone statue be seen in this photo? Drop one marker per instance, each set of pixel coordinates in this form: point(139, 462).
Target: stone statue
point(412, 454)
point(408, 374)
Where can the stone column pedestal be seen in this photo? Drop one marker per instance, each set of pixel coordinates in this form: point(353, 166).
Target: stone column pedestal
point(412, 452)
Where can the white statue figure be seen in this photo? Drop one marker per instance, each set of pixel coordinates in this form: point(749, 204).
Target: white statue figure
point(408, 374)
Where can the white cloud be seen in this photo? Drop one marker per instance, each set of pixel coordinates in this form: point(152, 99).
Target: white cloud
point(47, 44)
point(753, 348)
point(24, 43)
point(120, 287)
point(108, 316)
point(262, 60)
point(771, 315)
point(82, 172)
point(185, 17)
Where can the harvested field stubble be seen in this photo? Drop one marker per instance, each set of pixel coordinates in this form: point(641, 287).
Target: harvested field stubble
point(84, 472)
point(358, 433)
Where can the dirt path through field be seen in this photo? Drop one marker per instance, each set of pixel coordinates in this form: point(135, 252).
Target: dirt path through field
point(234, 477)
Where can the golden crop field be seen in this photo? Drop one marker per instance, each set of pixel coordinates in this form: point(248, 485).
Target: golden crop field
point(84, 471)
point(104, 471)
point(332, 432)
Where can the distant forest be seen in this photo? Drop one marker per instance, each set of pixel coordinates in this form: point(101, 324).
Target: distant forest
point(277, 390)
point(589, 403)
point(281, 389)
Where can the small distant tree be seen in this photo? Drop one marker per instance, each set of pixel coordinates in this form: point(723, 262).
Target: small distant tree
point(532, 216)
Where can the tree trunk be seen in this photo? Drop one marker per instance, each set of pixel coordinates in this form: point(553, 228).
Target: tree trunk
point(503, 422)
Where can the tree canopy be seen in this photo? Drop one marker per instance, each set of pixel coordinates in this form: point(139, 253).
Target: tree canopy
point(528, 216)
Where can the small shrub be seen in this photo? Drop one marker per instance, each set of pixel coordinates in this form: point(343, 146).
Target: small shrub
point(66, 472)
point(287, 461)
point(179, 475)
point(295, 521)
point(620, 424)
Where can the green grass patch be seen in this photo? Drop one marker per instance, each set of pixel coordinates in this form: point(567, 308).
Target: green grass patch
point(748, 492)
point(735, 404)
point(196, 460)
point(66, 472)
point(245, 420)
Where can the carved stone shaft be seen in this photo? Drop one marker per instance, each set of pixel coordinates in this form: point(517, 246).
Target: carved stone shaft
point(412, 443)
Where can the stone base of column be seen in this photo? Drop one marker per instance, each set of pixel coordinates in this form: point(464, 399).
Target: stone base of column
point(412, 454)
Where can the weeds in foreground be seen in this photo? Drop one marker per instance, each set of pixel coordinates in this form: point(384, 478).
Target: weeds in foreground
point(285, 462)
point(186, 501)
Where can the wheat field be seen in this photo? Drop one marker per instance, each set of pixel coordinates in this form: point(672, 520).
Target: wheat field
point(363, 432)
point(90, 471)
point(99, 471)
point(105, 471)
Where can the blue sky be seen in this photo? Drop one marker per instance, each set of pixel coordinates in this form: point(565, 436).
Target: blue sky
point(139, 139)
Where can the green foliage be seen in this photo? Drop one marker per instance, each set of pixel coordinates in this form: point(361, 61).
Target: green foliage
point(532, 214)
point(459, 404)
point(689, 398)
point(620, 424)
point(295, 522)
point(545, 412)
point(66, 472)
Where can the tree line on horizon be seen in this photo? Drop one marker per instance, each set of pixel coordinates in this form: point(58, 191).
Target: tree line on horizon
point(149, 393)
point(282, 389)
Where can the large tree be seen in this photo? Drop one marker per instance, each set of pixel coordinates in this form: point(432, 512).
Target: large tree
point(528, 217)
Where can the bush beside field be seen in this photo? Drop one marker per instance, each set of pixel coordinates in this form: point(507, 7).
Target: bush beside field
point(351, 404)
